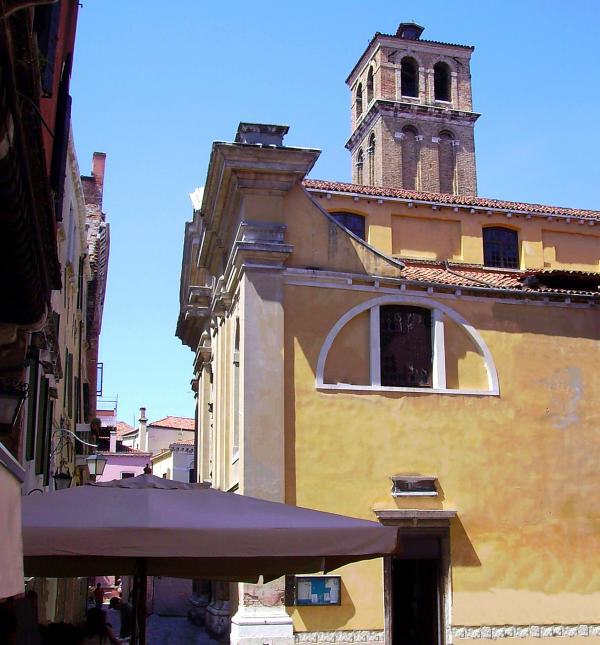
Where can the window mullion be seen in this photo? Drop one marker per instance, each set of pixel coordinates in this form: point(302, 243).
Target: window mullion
point(375, 348)
point(439, 349)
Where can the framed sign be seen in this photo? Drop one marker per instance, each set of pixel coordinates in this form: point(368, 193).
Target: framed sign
point(317, 590)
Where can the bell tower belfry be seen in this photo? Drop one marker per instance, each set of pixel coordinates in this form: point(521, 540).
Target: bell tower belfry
point(412, 114)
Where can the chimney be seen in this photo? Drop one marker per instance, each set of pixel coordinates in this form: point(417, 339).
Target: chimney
point(261, 133)
point(143, 431)
point(98, 163)
point(113, 440)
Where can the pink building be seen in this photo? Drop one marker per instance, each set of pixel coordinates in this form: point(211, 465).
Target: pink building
point(122, 461)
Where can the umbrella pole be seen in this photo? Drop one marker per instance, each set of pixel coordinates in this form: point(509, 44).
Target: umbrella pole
point(140, 586)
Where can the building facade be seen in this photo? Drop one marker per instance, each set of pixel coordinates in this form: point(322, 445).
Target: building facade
point(157, 436)
point(36, 52)
point(121, 461)
point(428, 360)
point(177, 462)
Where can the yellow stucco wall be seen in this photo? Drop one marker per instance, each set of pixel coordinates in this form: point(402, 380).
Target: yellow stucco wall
point(443, 234)
point(520, 469)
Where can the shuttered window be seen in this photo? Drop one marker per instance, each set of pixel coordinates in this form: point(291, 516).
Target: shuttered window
point(41, 425)
point(32, 401)
point(46, 24)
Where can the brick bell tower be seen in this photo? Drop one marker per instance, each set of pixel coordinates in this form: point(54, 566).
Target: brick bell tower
point(412, 118)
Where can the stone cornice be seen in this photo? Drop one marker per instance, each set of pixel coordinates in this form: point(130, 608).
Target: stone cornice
point(236, 171)
point(382, 107)
point(237, 168)
point(380, 40)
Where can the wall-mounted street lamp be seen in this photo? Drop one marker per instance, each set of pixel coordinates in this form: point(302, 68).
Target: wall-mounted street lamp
point(11, 402)
point(62, 480)
point(96, 463)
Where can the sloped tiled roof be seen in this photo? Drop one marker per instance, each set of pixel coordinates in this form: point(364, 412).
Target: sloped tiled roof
point(179, 423)
point(528, 282)
point(451, 200)
point(161, 455)
point(124, 428)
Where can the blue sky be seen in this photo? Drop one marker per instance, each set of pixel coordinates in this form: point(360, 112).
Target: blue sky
point(154, 83)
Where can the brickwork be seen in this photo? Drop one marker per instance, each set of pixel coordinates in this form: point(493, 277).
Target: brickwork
point(441, 156)
point(409, 156)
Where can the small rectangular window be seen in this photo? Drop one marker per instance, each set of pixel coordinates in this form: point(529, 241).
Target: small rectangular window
point(500, 248)
point(127, 475)
point(354, 223)
point(406, 347)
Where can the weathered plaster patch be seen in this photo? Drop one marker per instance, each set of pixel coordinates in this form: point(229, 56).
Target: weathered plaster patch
point(566, 391)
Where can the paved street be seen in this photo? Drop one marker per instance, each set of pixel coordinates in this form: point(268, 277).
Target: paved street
point(162, 630)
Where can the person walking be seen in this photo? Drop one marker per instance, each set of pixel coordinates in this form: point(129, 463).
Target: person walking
point(96, 631)
point(125, 616)
point(99, 596)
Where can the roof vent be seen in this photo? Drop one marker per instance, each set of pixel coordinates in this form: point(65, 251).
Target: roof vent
point(264, 134)
point(409, 31)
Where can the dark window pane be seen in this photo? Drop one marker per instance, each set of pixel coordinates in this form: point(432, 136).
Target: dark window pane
point(405, 341)
point(354, 223)
point(127, 475)
point(501, 248)
point(359, 101)
point(441, 82)
point(409, 77)
point(370, 86)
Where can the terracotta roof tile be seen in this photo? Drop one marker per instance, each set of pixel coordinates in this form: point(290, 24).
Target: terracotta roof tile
point(470, 276)
point(124, 428)
point(181, 423)
point(454, 200)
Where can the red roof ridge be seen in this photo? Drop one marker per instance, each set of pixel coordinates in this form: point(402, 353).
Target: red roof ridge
point(181, 423)
point(477, 276)
point(444, 198)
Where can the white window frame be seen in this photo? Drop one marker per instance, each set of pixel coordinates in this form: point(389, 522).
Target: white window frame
point(438, 313)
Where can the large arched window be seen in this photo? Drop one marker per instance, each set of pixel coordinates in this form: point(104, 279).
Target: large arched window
point(371, 153)
point(353, 222)
point(370, 85)
point(500, 247)
point(360, 162)
point(359, 100)
point(409, 77)
point(410, 158)
point(413, 344)
point(441, 82)
point(447, 163)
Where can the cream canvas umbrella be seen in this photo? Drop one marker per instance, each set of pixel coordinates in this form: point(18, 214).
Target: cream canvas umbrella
point(147, 525)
